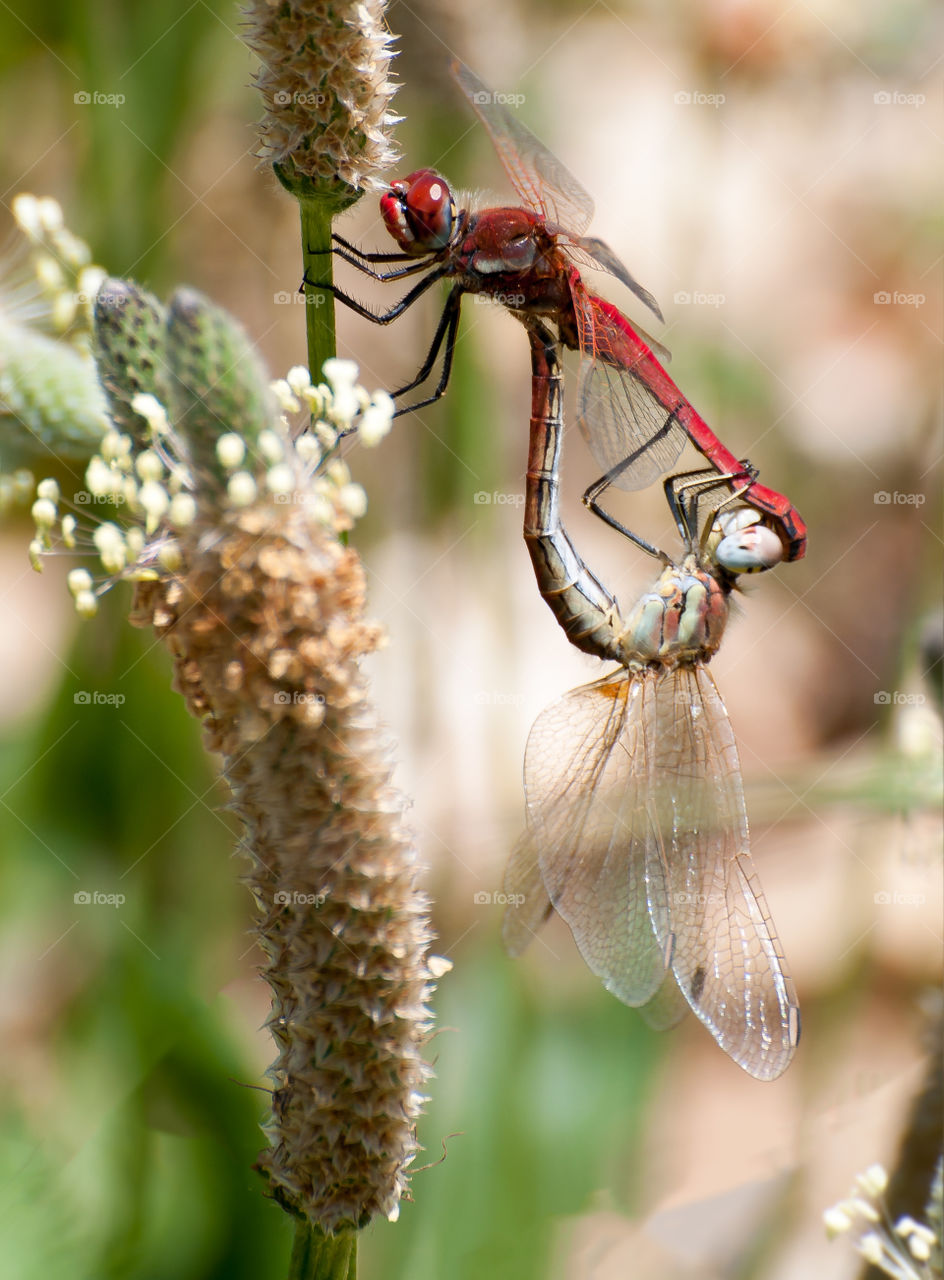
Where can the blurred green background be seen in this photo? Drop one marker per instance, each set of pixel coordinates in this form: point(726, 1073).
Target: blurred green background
point(771, 172)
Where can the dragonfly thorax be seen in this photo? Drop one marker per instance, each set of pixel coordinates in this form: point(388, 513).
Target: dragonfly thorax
point(681, 618)
point(419, 212)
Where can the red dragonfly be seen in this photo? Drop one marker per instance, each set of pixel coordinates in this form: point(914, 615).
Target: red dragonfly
point(637, 831)
point(631, 413)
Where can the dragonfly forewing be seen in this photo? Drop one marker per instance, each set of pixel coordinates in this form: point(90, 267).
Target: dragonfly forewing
point(544, 184)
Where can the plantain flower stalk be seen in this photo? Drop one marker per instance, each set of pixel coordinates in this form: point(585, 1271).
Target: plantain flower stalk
point(323, 77)
point(230, 523)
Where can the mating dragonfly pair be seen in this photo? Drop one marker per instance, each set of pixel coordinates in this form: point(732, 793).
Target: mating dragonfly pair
point(637, 831)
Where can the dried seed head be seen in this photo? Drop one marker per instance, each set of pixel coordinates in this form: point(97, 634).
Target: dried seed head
point(326, 89)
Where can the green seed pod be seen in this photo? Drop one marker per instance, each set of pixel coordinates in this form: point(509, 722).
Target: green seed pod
point(130, 350)
point(216, 379)
point(50, 398)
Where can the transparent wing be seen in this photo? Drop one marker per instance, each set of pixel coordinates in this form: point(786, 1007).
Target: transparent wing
point(528, 904)
point(543, 183)
point(585, 783)
point(667, 1007)
point(726, 956)
point(592, 252)
point(626, 402)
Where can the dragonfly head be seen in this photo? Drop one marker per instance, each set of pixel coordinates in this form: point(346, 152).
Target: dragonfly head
point(745, 544)
point(419, 212)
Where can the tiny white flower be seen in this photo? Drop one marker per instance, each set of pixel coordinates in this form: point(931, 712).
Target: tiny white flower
point(836, 1221)
point(182, 510)
point(49, 273)
point(44, 513)
point(168, 555)
point(308, 450)
point(48, 489)
point(873, 1181)
point(36, 550)
point(863, 1208)
point(299, 379)
point(920, 1249)
point(26, 213)
point(271, 447)
point(241, 489)
point(149, 465)
point(339, 373)
point(155, 500)
point(50, 214)
point(79, 580)
point(231, 450)
point(69, 525)
point(353, 499)
point(376, 420)
point(64, 308)
point(284, 396)
point(134, 539)
point(871, 1247)
point(152, 411)
point(111, 547)
point(86, 604)
point(338, 472)
point(280, 479)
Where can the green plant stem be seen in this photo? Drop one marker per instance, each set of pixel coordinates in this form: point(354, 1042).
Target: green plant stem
point(317, 215)
point(316, 1256)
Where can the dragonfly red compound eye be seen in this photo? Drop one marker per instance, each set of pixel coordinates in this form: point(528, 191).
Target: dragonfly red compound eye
point(429, 208)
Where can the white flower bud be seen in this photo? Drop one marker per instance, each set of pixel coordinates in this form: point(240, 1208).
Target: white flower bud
point(230, 450)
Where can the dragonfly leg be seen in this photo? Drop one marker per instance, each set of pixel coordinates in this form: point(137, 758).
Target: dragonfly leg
point(445, 331)
point(685, 490)
point(357, 252)
point(366, 269)
point(590, 500)
point(383, 317)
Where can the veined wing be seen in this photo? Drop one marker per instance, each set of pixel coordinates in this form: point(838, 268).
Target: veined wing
point(528, 902)
point(667, 1007)
point(585, 783)
point(627, 405)
point(726, 957)
point(592, 252)
point(543, 183)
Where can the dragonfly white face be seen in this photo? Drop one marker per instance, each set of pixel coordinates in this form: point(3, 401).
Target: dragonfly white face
point(746, 545)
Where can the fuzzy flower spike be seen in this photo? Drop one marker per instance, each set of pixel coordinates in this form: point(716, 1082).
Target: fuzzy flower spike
point(325, 85)
point(228, 514)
